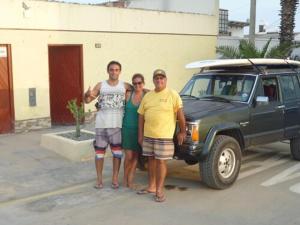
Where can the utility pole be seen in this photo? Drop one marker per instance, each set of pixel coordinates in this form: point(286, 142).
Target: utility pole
point(252, 21)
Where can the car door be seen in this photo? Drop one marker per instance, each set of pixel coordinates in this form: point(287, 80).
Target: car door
point(291, 98)
point(267, 120)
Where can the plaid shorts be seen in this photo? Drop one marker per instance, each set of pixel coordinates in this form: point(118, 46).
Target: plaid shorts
point(160, 148)
point(105, 137)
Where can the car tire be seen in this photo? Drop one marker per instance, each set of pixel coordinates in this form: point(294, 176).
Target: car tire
point(295, 148)
point(142, 163)
point(191, 162)
point(221, 167)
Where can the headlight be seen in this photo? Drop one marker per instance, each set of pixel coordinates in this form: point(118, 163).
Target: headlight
point(192, 131)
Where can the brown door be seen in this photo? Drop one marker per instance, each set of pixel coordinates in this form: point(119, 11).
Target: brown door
point(66, 83)
point(6, 91)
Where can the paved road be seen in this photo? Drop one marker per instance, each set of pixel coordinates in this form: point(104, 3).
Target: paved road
point(267, 192)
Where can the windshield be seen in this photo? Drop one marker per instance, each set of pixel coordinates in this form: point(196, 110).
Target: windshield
point(225, 86)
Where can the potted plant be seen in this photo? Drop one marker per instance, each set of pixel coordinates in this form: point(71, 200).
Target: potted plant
point(76, 145)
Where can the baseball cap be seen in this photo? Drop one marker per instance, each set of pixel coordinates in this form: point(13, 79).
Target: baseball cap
point(159, 72)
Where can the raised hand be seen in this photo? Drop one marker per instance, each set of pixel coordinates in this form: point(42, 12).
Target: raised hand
point(88, 92)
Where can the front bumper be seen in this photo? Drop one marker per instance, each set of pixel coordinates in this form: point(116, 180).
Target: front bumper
point(188, 151)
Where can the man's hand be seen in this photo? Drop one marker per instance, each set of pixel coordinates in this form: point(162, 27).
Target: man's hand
point(91, 94)
point(88, 92)
point(181, 137)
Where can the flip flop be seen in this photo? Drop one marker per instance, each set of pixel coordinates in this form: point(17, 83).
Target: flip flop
point(144, 191)
point(98, 186)
point(160, 198)
point(114, 186)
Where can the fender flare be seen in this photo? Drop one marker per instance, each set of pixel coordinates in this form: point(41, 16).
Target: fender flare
point(209, 140)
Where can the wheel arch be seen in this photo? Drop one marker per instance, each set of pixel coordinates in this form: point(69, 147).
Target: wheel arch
point(229, 129)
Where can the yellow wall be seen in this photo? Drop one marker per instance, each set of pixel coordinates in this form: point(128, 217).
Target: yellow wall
point(141, 44)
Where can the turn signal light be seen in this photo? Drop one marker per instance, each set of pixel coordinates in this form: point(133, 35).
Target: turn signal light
point(195, 134)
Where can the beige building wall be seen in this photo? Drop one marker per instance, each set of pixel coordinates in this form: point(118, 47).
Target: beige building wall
point(141, 40)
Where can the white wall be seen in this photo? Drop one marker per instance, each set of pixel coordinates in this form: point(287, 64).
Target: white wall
point(236, 31)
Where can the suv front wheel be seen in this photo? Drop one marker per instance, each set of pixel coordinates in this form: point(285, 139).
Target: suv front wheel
point(295, 148)
point(221, 167)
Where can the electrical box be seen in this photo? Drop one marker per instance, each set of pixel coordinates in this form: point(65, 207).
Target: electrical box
point(32, 96)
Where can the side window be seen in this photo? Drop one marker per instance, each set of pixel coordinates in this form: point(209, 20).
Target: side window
point(288, 88)
point(270, 88)
point(297, 85)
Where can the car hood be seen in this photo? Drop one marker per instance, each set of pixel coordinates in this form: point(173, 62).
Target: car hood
point(196, 109)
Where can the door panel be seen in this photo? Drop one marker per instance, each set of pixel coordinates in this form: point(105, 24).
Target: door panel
point(6, 96)
point(66, 83)
point(290, 92)
point(267, 121)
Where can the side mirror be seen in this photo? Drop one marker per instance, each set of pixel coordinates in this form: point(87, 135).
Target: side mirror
point(262, 100)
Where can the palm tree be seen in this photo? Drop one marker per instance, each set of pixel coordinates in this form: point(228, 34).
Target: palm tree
point(246, 49)
point(287, 24)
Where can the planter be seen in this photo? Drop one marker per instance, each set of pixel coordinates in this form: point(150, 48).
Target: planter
point(74, 150)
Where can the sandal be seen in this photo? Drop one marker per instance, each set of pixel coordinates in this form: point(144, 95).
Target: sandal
point(144, 191)
point(160, 198)
point(114, 186)
point(98, 186)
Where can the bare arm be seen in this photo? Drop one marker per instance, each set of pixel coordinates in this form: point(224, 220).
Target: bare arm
point(181, 120)
point(128, 87)
point(90, 95)
point(141, 129)
point(127, 95)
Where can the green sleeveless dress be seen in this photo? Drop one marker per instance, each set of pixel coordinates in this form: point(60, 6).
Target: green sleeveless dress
point(130, 127)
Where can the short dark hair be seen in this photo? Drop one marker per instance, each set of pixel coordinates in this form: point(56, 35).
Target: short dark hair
point(114, 63)
point(138, 75)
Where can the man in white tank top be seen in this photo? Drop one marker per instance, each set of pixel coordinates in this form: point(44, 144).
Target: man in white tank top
point(111, 100)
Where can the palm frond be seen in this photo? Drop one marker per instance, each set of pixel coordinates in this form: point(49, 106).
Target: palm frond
point(228, 52)
point(264, 51)
point(281, 51)
point(248, 50)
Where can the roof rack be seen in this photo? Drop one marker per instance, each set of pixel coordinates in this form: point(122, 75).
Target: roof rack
point(258, 65)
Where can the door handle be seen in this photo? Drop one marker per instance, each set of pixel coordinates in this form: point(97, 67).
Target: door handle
point(280, 107)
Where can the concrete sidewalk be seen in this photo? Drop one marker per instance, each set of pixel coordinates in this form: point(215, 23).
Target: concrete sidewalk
point(29, 170)
point(38, 186)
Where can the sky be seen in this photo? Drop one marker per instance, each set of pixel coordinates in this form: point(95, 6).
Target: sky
point(266, 11)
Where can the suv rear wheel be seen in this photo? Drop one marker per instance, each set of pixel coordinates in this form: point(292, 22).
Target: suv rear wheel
point(142, 162)
point(295, 148)
point(221, 167)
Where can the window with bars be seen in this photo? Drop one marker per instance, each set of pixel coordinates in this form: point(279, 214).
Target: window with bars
point(223, 21)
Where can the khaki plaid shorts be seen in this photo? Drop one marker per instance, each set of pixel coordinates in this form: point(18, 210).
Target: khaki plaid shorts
point(160, 148)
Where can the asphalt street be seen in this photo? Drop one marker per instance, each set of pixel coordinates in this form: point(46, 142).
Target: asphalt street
point(39, 187)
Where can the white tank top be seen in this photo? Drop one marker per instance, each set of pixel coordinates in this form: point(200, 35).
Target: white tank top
point(111, 102)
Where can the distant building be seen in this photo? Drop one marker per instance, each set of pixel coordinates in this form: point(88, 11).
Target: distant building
point(230, 28)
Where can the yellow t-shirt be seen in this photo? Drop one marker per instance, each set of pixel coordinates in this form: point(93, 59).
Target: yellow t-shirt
point(159, 110)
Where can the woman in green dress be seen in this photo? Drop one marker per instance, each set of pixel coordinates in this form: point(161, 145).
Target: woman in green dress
point(130, 129)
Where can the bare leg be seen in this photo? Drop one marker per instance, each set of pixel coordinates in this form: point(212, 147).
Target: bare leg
point(127, 167)
point(99, 167)
point(132, 169)
point(161, 172)
point(116, 168)
point(151, 174)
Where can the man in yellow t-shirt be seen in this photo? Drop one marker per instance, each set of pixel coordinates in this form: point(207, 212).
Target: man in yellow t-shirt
point(158, 112)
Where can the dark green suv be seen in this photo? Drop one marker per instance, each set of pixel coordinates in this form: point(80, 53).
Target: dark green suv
point(231, 105)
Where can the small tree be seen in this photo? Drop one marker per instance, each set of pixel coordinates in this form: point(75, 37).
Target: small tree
point(78, 114)
point(246, 49)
